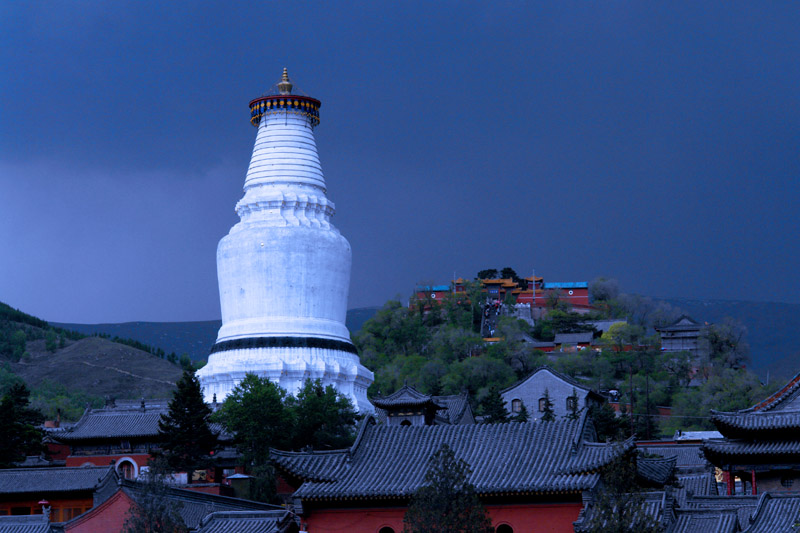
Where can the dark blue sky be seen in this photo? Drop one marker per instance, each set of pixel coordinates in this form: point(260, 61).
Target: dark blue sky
point(653, 142)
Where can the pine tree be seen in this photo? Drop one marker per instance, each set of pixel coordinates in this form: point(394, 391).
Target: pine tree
point(447, 502)
point(522, 415)
point(19, 427)
point(572, 404)
point(548, 415)
point(186, 438)
point(494, 409)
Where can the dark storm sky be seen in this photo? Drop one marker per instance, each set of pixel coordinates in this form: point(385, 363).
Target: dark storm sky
point(653, 142)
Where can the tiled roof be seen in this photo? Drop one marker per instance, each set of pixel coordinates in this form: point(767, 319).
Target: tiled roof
point(775, 513)
point(684, 323)
point(687, 456)
point(195, 505)
point(569, 338)
point(758, 421)
point(126, 420)
point(706, 521)
point(249, 522)
point(745, 447)
point(656, 470)
point(456, 407)
point(405, 397)
point(49, 480)
point(695, 485)
point(655, 504)
point(390, 462)
point(743, 506)
point(24, 524)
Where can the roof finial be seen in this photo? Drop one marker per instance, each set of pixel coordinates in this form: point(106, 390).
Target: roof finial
point(285, 86)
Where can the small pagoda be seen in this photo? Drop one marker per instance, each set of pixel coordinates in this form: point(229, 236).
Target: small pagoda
point(408, 407)
point(761, 444)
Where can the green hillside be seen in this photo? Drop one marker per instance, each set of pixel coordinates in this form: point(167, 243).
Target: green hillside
point(66, 370)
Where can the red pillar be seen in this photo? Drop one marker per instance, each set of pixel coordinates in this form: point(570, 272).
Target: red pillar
point(729, 481)
point(753, 481)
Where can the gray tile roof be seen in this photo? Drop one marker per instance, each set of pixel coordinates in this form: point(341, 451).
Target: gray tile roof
point(390, 462)
point(688, 456)
point(457, 409)
point(757, 421)
point(776, 513)
point(573, 338)
point(715, 448)
point(655, 504)
point(656, 470)
point(684, 323)
point(405, 397)
point(24, 524)
point(126, 420)
point(703, 484)
point(49, 480)
point(743, 506)
point(194, 505)
point(249, 522)
point(706, 521)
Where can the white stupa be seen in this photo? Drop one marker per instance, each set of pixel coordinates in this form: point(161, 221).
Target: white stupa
point(284, 269)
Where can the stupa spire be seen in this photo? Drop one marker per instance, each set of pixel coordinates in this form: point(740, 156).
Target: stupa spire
point(285, 86)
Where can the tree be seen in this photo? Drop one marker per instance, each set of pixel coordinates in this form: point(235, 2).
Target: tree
point(725, 344)
point(186, 438)
point(606, 422)
point(572, 406)
point(19, 427)
point(152, 511)
point(522, 415)
point(509, 273)
point(325, 418)
point(446, 502)
point(620, 505)
point(489, 273)
point(547, 414)
point(494, 409)
point(256, 414)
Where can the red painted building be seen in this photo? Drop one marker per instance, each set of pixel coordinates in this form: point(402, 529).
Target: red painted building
point(530, 477)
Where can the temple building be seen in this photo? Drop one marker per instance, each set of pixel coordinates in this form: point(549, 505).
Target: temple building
point(284, 269)
point(409, 407)
point(530, 477)
point(683, 335)
point(761, 444)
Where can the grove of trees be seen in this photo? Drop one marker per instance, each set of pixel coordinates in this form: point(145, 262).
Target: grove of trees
point(437, 349)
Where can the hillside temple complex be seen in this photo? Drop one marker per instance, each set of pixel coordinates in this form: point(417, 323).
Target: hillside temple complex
point(284, 269)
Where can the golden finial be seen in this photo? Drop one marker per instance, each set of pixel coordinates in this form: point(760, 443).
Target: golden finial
point(285, 86)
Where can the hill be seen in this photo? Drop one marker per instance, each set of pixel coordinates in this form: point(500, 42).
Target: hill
point(100, 367)
point(192, 338)
point(66, 371)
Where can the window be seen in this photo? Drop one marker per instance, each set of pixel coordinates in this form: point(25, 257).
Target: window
point(787, 482)
point(542, 405)
point(504, 528)
point(572, 403)
point(516, 406)
point(405, 423)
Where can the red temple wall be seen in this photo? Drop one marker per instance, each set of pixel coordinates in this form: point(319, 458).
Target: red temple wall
point(545, 518)
point(108, 516)
point(105, 460)
point(60, 508)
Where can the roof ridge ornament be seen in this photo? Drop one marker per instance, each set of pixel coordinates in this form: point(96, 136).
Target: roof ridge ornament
point(285, 86)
